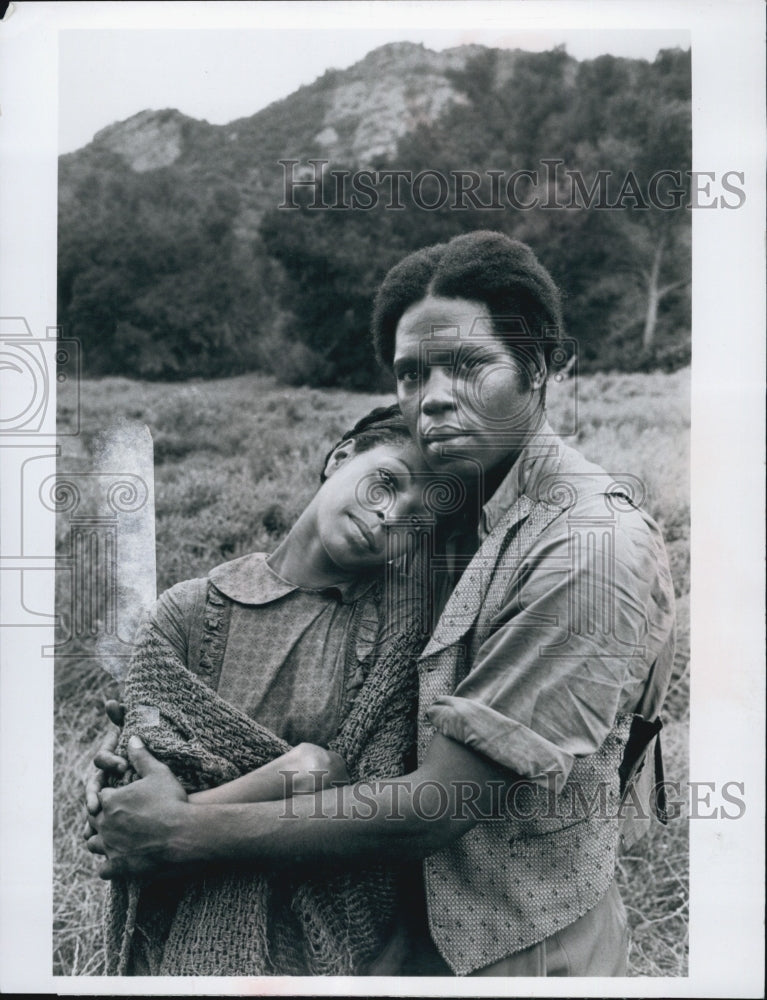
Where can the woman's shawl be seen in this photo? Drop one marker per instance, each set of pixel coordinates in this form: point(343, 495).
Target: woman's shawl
point(237, 919)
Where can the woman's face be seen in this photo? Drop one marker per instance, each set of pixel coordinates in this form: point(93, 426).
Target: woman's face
point(366, 494)
point(467, 400)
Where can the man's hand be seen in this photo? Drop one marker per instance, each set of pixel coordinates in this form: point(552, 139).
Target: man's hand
point(107, 762)
point(136, 825)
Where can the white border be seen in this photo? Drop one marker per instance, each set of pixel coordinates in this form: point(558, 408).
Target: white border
point(727, 868)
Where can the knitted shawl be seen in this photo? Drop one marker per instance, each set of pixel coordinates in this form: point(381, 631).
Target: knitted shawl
point(238, 919)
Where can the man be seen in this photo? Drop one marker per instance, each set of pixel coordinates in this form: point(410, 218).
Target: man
point(553, 614)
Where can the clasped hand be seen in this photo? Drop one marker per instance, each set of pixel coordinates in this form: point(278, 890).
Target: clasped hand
point(136, 826)
point(148, 825)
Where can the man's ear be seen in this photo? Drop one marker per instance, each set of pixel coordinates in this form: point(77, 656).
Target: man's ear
point(340, 454)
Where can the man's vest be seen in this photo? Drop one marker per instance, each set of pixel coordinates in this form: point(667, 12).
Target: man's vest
point(511, 882)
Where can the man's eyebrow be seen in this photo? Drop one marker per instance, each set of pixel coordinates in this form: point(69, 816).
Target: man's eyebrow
point(403, 359)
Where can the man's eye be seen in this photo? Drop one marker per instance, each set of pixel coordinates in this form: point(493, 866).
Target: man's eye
point(469, 362)
point(408, 375)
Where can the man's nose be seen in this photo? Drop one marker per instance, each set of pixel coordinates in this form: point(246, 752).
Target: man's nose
point(438, 392)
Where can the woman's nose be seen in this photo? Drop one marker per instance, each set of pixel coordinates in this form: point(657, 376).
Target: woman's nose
point(438, 392)
point(407, 505)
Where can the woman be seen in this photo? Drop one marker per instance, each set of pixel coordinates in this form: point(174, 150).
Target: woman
point(268, 651)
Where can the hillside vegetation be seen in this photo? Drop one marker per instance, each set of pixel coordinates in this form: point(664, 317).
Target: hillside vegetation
point(236, 461)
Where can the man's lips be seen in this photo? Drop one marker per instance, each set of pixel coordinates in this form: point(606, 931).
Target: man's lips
point(445, 434)
point(366, 533)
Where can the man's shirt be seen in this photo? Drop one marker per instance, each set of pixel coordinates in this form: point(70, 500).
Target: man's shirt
point(586, 629)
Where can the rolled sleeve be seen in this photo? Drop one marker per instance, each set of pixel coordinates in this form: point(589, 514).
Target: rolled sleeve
point(500, 738)
point(570, 648)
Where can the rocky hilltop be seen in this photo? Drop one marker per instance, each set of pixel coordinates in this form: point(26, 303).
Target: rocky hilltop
point(148, 140)
point(351, 117)
point(365, 110)
point(354, 116)
point(392, 90)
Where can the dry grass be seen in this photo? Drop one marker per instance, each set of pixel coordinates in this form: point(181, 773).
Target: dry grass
point(653, 877)
point(236, 461)
point(77, 891)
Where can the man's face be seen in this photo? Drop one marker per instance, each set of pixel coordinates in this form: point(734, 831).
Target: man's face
point(467, 400)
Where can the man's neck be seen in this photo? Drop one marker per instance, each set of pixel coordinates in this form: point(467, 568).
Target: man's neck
point(485, 485)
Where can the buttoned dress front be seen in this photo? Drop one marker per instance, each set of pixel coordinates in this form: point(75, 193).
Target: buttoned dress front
point(293, 659)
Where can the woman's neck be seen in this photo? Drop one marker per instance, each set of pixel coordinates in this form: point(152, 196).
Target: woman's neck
point(300, 558)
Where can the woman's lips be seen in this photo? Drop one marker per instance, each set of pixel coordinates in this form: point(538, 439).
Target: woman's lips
point(364, 531)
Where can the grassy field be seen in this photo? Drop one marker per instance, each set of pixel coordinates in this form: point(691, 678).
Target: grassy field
point(236, 461)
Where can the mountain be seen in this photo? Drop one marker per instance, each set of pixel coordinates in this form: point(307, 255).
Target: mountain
point(175, 260)
point(150, 139)
point(354, 117)
point(395, 88)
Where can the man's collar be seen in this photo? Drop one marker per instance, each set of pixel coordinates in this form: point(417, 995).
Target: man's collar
point(251, 580)
point(539, 459)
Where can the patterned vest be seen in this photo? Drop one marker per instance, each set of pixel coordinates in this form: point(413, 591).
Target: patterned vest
point(511, 882)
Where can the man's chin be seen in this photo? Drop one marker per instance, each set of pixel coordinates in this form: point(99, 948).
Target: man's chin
point(445, 459)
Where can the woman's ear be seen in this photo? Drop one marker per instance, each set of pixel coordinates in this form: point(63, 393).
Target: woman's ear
point(338, 456)
point(538, 377)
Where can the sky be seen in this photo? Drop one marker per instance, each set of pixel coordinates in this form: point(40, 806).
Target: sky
point(107, 75)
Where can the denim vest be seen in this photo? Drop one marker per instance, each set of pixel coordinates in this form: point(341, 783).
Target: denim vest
point(513, 881)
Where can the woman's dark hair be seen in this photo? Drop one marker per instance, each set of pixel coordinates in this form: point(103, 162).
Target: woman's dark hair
point(381, 425)
point(485, 267)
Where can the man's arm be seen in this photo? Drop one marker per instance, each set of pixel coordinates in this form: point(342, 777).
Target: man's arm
point(151, 824)
point(570, 645)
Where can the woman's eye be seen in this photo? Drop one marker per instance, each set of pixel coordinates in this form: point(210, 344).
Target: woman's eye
point(408, 375)
point(385, 476)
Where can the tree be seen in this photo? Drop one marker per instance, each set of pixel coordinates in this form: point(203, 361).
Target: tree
point(155, 283)
point(642, 112)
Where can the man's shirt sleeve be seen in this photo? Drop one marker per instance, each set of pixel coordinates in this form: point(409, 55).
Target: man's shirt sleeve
point(582, 623)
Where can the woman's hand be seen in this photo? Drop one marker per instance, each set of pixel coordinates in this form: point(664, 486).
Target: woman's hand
point(315, 768)
point(137, 826)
